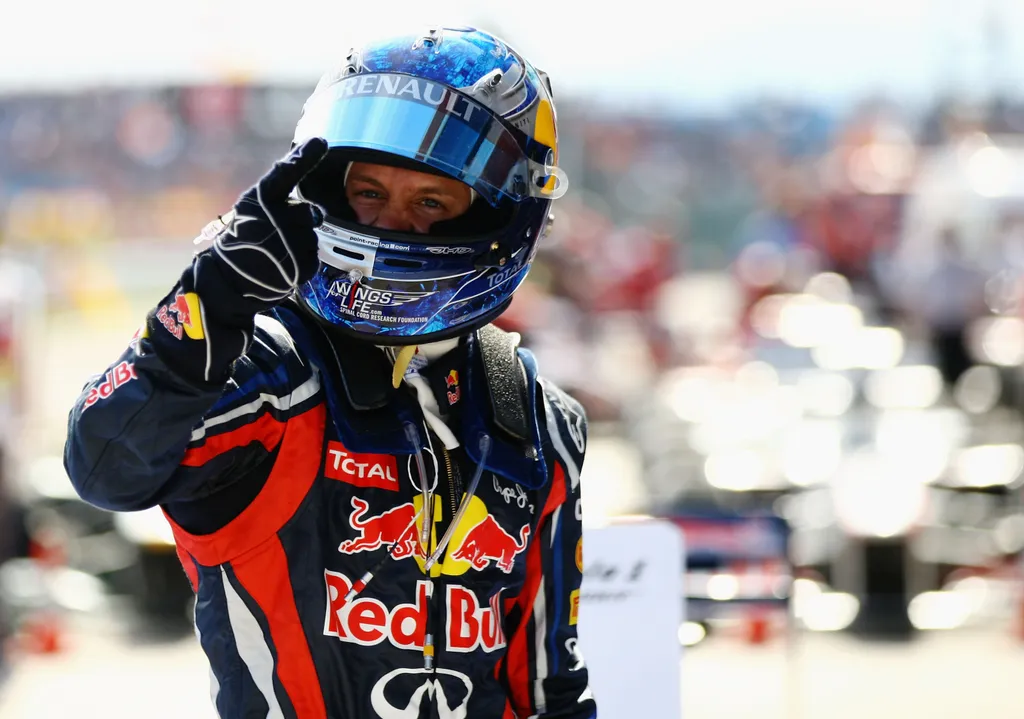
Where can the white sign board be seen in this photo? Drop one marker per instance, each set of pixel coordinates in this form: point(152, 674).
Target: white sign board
point(630, 610)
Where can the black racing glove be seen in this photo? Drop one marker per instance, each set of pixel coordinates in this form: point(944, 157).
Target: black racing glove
point(260, 252)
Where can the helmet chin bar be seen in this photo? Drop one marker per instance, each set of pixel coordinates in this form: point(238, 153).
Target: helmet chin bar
point(385, 271)
point(405, 340)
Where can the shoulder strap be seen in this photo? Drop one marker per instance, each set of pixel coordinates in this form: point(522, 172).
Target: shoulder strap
point(506, 381)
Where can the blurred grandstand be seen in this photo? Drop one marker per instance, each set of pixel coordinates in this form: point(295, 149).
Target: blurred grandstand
point(661, 206)
point(770, 193)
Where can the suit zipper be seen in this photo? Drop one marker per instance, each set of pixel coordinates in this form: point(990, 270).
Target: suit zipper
point(434, 613)
point(450, 469)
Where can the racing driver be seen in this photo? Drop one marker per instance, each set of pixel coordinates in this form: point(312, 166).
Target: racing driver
point(374, 495)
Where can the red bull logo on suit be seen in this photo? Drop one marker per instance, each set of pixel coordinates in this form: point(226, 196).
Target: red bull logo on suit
point(182, 316)
point(451, 382)
point(395, 529)
point(478, 542)
point(471, 624)
point(487, 542)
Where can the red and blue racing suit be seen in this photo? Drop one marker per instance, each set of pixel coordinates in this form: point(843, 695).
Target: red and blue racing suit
point(295, 495)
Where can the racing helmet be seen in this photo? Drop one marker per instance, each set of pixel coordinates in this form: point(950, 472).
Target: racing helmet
point(458, 102)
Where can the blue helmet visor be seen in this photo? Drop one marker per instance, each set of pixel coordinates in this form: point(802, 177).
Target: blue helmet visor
point(431, 123)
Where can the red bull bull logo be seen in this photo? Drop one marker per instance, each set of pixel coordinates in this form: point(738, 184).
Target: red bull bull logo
point(452, 384)
point(487, 542)
point(180, 308)
point(395, 528)
point(182, 316)
point(470, 626)
point(478, 541)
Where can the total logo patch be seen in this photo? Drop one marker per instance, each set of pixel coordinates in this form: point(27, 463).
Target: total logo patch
point(361, 470)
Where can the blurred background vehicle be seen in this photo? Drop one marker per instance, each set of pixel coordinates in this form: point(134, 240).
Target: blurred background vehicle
point(786, 283)
point(132, 554)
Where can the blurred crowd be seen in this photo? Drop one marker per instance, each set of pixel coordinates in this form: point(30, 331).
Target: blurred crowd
point(770, 194)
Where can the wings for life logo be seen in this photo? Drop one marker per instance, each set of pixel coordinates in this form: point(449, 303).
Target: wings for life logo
point(478, 542)
point(367, 302)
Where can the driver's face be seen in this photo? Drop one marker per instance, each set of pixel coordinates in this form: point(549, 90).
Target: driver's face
point(394, 198)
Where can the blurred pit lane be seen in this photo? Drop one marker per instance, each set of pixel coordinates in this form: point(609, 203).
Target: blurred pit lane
point(110, 671)
point(111, 668)
point(114, 666)
point(958, 675)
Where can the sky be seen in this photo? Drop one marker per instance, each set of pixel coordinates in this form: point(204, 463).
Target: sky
point(706, 54)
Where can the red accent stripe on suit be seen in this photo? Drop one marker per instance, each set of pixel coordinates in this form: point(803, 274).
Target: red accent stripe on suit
point(266, 430)
point(517, 656)
point(295, 470)
point(264, 575)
